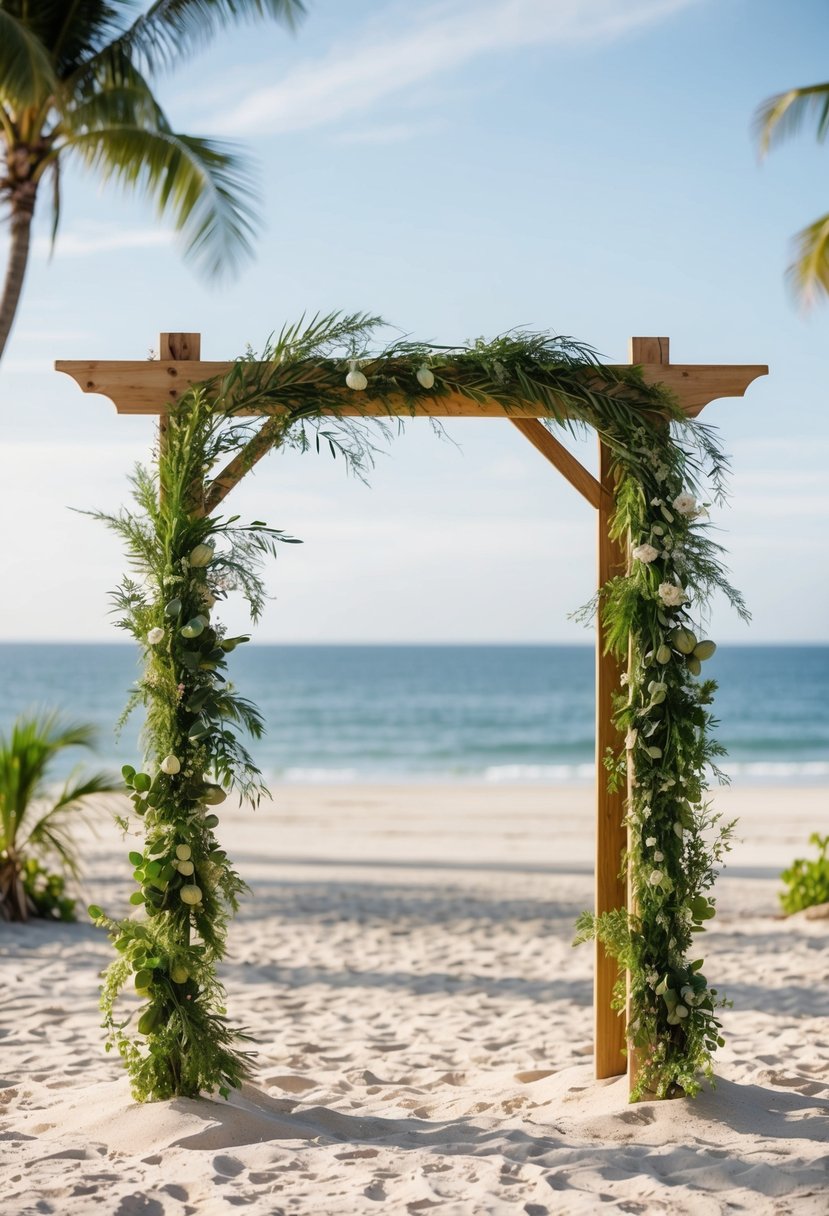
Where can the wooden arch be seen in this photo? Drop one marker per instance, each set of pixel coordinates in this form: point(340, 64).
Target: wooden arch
point(152, 386)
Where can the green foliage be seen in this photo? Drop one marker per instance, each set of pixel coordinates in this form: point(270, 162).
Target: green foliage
point(807, 881)
point(37, 821)
point(46, 892)
point(677, 841)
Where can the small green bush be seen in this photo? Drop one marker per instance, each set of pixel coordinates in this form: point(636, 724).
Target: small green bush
point(807, 881)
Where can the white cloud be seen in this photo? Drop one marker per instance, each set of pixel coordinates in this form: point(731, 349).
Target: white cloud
point(90, 239)
point(387, 133)
point(381, 62)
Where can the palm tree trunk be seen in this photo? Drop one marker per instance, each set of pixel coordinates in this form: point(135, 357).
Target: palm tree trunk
point(14, 903)
point(23, 208)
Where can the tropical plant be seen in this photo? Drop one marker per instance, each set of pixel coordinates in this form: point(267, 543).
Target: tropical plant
point(184, 558)
point(806, 879)
point(778, 118)
point(37, 820)
point(75, 86)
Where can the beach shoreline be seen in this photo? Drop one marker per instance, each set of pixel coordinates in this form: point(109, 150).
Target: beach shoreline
point(423, 1026)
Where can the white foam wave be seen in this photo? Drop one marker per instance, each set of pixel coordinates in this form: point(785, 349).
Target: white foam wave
point(540, 772)
point(319, 776)
point(778, 770)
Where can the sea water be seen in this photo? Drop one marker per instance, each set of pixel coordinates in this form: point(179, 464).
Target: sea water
point(508, 713)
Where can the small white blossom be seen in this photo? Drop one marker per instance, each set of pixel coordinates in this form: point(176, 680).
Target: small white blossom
point(655, 877)
point(171, 765)
point(650, 842)
point(645, 553)
point(155, 636)
point(685, 504)
point(623, 678)
point(658, 856)
point(671, 595)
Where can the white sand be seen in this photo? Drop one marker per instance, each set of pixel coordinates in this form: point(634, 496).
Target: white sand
point(424, 1029)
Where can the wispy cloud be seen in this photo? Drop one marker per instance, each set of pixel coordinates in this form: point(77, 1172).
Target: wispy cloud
point(83, 241)
point(387, 133)
point(385, 59)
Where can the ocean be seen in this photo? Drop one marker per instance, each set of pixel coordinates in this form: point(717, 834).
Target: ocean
point(506, 713)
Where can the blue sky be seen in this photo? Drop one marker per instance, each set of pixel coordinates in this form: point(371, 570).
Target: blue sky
point(461, 167)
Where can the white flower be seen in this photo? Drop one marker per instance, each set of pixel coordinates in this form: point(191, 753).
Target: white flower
point(155, 636)
point(658, 856)
point(655, 877)
point(623, 678)
point(171, 765)
point(650, 842)
point(671, 595)
point(645, 553)
point(685, 504)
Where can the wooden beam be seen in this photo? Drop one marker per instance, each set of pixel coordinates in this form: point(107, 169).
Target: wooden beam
point(253, 451)
point(611, 838)
point(564, 461)
point(149, 386)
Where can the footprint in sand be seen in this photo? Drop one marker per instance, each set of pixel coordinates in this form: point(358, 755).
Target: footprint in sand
point(227, 1167)
point(292, 1084)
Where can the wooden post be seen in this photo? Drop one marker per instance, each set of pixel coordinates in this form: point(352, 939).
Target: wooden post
point(180, 347)
point(612, 890)
point(642, 350)
point(609, 1027)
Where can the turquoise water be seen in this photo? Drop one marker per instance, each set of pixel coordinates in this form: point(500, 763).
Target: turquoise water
point(467, 713)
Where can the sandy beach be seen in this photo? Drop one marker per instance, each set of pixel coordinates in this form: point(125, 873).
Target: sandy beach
point(423, 1028)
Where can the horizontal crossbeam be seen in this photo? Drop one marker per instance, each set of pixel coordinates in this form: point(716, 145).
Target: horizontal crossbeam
point(151, 386)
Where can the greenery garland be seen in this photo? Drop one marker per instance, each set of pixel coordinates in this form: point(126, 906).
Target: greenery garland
point(185, 559)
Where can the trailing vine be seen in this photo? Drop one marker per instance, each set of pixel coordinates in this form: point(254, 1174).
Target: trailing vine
point(186, 558)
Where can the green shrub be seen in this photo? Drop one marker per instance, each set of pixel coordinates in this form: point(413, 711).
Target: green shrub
point(807, 881)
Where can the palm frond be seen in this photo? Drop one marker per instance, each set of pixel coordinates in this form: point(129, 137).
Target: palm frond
point(173, 29)
point(26, 74)
point(52, 831)
point(202, 186)
point(781, 116)
point(808, 274)
point(25, 757)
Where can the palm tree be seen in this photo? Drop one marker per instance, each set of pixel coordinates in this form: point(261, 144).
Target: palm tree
point(778, 118)
point(74, 86)
point(36, 821)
